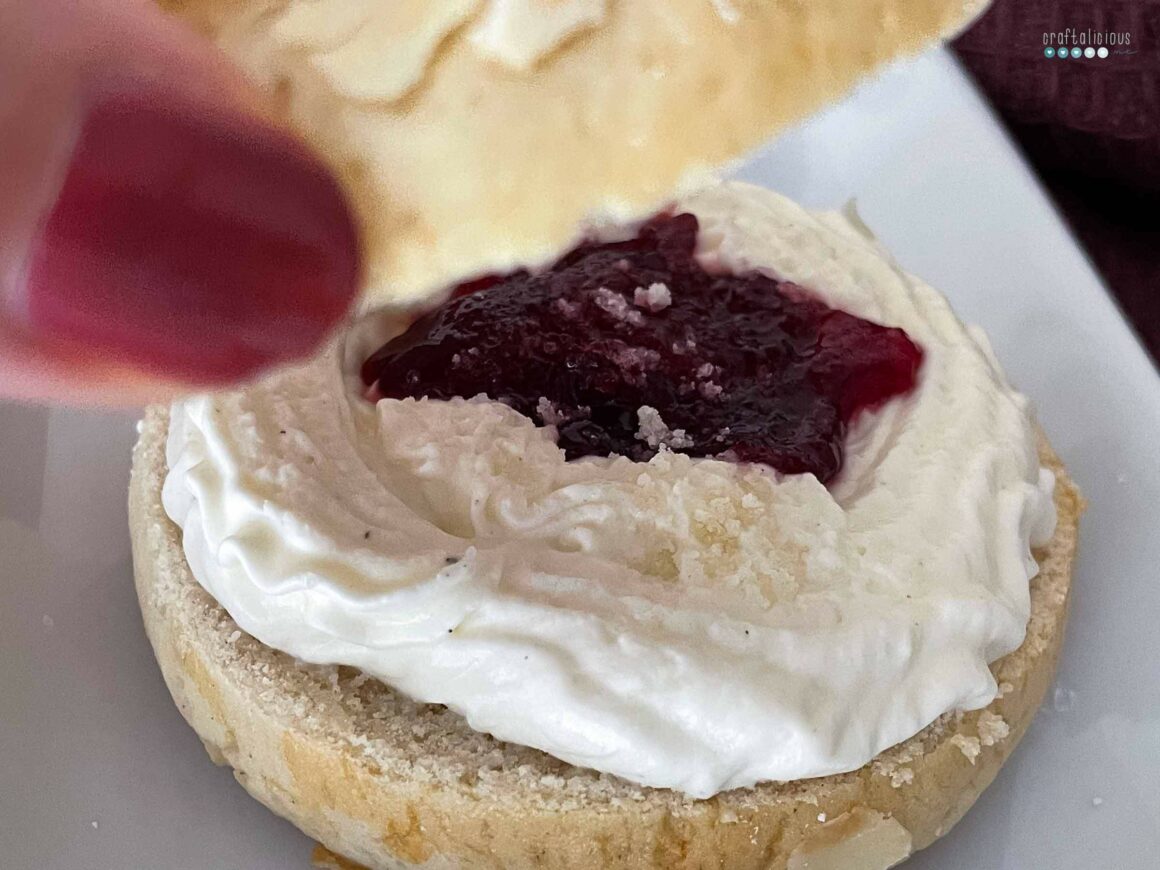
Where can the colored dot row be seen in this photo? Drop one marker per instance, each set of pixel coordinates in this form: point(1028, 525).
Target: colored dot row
point(1064, 53)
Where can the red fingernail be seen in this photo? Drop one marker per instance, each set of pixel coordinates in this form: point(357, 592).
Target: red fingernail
point(192, 243)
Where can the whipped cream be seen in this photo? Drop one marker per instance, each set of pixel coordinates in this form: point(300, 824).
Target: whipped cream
point(684, 623)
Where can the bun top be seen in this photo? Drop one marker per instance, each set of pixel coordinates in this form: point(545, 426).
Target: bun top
point(477, 136)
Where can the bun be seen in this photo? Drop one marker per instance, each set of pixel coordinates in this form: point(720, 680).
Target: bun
point(477, 136)
point(391, 783)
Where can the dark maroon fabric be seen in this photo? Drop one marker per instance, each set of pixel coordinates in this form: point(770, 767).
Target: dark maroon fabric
point(1091, 127)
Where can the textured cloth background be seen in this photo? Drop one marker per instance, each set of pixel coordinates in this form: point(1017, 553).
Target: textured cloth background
point(1090, 127)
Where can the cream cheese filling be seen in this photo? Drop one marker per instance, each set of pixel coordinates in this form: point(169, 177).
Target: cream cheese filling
point(683, 623)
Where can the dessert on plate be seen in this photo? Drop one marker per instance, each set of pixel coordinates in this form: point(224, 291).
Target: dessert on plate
point(692, 543)
point(700, 534)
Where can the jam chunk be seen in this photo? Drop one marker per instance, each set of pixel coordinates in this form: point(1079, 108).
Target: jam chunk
point(631, 347)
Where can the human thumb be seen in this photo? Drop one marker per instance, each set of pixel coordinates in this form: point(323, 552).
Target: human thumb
point(155, 229)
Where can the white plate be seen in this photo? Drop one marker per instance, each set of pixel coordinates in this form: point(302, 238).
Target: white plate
point(100, 773)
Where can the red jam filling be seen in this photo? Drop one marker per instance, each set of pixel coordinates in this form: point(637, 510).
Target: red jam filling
point(745, 367)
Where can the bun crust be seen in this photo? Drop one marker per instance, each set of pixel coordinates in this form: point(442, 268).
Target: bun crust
point(390, 783)
point(464, 154)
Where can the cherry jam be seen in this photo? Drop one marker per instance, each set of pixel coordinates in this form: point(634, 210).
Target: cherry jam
point(745, 367)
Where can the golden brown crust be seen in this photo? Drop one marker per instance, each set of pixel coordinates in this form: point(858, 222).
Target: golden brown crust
point(324, 859)
point(459, 165)
point(389, 783)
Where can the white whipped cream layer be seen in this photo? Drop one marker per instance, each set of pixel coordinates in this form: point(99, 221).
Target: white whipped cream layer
point(685, 623)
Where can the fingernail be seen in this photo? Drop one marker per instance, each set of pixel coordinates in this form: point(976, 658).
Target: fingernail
point(190, 242)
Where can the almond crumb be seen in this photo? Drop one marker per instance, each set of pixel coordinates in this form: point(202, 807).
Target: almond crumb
point(992, 728)
point(656, 297)
point(969, 746)
point(617, 306)
point(656, 433)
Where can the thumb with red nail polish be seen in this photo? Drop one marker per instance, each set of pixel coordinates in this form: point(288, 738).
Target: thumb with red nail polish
point(155, 231)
